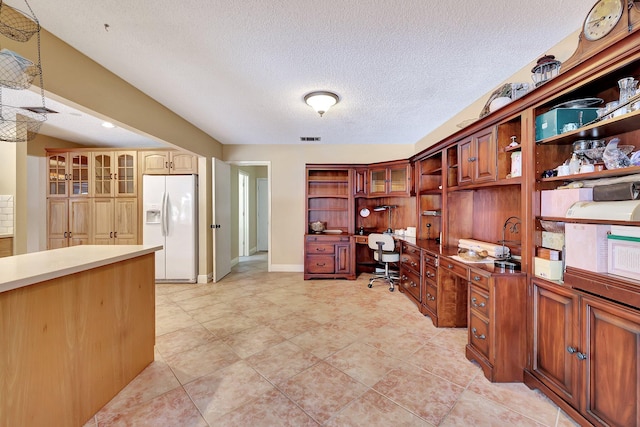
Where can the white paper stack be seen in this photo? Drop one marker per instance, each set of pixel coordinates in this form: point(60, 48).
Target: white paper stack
point(496, 251)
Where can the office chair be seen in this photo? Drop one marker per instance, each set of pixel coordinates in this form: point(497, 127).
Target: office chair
point(385, 253)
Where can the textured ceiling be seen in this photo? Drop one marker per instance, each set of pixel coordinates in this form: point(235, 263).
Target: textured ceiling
point(239, 70)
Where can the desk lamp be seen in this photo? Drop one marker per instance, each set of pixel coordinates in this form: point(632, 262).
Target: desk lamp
point(387, 208)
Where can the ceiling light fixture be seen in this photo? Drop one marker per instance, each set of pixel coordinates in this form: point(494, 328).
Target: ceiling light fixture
point(321, 101)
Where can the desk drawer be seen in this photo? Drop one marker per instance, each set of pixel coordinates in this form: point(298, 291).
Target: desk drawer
point(320, 264)
point(458, 269)
point(430, 274)
point(430, 259)
point(410, 256)
point(479, 300)
point(431, 297)
point(411, 283)
point(479, 333)
point(361, 240)
point(320, 248)
point(479, 278)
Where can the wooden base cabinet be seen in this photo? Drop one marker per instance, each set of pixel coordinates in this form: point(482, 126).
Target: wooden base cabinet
point(451, 296)
point(68, 222)
point(497, 325)
point(329, 257)
point(411, 272)
point(586, 355)
point(115, 221)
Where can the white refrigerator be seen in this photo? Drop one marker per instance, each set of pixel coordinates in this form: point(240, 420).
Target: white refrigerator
point(170, 212)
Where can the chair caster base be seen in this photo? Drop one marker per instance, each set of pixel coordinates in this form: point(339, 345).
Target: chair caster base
point(370, 285)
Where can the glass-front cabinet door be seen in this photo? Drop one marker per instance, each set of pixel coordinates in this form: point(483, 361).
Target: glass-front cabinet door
point(126, 173)
point(378, 181)
point(103, 174)
point(79, 174)
point(389, 180)
point(398, 182)
point(57, 175)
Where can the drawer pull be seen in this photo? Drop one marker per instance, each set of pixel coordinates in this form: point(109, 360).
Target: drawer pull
point(480, 337)
point(413, 264)
point(413, 284)
point(430, 297)
point(429, 274)
point(477, 278)
point(571, 350)
point(321, 265)
point(320, 249)
point(450, 266)
point(472, 159)
point(404, 277)
point(474, 302)
point(581, 356)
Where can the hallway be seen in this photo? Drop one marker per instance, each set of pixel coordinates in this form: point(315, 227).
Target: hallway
point(270, 349)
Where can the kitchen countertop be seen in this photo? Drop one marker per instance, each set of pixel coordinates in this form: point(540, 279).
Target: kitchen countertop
point(23, 270)
point(4, 236)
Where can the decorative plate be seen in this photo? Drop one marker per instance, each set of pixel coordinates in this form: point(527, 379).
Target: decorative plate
point(580, 103)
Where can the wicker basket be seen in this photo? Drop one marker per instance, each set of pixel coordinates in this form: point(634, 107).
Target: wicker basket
point(16, 24)
point(16, 72)
point(18, 124)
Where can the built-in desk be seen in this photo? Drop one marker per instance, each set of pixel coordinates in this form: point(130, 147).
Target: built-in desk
point(77, 325)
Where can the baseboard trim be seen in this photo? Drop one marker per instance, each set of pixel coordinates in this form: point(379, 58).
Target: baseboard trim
point(205, 278)
point(287, 268)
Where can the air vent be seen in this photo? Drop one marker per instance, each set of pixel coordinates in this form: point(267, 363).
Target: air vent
point(309, 138)
point(40, 110)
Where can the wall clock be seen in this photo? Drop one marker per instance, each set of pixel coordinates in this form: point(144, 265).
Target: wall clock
point(607, 22)
point(602, 18)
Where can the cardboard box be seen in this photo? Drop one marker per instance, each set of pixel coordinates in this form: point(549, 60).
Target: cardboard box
point(551, 123)
point(556, 203)
point(586, 246)
point(553, 240)
point(550, 254)
point(624, 256)
point(547, 269)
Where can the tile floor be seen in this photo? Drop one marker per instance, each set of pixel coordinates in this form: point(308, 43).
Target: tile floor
point(270, 349)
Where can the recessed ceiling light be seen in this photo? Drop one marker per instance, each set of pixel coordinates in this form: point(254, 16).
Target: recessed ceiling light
point(108, 125)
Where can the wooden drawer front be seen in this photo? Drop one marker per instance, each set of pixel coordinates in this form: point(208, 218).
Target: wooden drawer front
point(320, 248)
point(479, 279)
point(479, 333)
point(320, 264)
point(411, 283)
point(410, 257)
point(319, 238)
point(361, 240)
point(430, 274)
point(479, 300)
point(430, 297)
point(458, 269)
point(430, 259)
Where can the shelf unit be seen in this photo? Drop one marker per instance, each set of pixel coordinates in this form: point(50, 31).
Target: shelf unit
point(429, 192)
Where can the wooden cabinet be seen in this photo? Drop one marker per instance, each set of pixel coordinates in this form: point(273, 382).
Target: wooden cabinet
point(390, 179)
point(451, 297)
point(329, 198)
point(429, 284)
point(411, 272)
point(329, 257)
point(430, 193)
point(114, 174)
point(91, 197)
point(68, 174)
point(68, 222)
point(6, 246)
point(360, 182)
point(497, 324)
point(168, 162)
point(585, 351)
point(477, 157)
point(115, 221)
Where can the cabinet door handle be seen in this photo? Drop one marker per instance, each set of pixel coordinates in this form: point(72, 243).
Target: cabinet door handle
point(115, 234)
point(171, 165)
point(111, 235)
point(115, 176)
point(477, 278)
point(65, 234)
point(472, 159)
point(430, 297)
point(166, 165)
point(571, 350)
point(110, 176)
point(474, 302)
point(480, 337)
point(69, 234)
point(581, 356)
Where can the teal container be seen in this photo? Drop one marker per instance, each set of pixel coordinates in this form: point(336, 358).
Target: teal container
point(551, 123)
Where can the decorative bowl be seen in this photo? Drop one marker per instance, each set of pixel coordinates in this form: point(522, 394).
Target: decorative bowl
point(552, 226)
point(472, 254)
point(317, 226)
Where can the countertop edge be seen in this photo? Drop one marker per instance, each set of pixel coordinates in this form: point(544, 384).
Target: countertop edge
point(24, 270)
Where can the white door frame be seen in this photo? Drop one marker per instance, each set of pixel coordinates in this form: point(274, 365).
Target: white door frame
point(221, 210)
point(262, 210)
point(243, 213)
point(268, 165)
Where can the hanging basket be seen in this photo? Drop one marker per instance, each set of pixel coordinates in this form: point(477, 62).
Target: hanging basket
point(18, 124)
point(16, 24)
point(16, 72)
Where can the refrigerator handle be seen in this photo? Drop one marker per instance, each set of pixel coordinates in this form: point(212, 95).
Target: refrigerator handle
point(163, 212)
